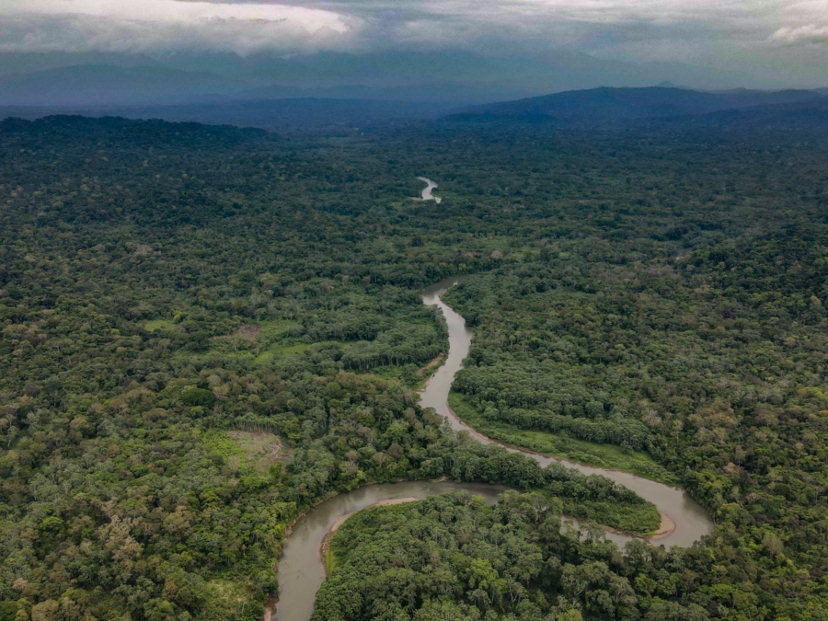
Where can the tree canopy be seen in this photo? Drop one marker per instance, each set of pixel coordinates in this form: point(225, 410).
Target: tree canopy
point(205, 330)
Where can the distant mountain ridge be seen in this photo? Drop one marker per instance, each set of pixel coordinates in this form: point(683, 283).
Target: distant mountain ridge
point(176, 95)
point(109, 84)
point(88, 79)
point(273, 114)
point(617, 104)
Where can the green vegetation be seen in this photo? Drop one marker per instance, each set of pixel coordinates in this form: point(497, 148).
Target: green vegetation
point(165, 288)
point(603, 455)
point(286, 350)
point(157, 324)
point(330, 561)
point(452, 557)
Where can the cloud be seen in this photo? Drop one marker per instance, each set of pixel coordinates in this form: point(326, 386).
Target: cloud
point(801, 22)
point(169, 25)
point(810, 33)
point(641, 29)
point(803, 34)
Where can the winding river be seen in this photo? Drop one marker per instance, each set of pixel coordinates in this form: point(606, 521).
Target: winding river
point(427, 195)
point(301, 570)
point(689, 520)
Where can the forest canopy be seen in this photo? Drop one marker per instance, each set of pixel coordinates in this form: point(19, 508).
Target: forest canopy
point(452, 557)
point(204, 330)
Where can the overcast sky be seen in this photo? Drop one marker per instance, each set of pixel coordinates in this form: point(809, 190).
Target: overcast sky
point(761, 35)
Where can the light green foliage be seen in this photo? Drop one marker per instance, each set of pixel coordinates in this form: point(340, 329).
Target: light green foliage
point(562, 445)
point(157, 324)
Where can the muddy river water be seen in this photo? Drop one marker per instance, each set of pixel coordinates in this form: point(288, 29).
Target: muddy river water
point(301, 571)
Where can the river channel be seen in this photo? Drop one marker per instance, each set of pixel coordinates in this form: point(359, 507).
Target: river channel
point(690, 520)
point(301, 570)
point(427, 195)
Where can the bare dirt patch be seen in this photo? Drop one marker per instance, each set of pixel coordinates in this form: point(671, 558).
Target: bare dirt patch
point(667, 527)
point(430, 365)
point(248, 331)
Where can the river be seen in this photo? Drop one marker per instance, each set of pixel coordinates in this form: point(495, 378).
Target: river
point(691, 521)
point(301, 570)
point(427, 195)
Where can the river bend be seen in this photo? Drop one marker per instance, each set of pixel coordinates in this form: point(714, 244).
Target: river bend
point(427, 195)
point(301, 570)
point(691, 520)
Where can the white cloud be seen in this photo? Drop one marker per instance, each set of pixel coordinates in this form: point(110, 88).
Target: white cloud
point(802, 22)
point(641, 27)
point(167, 25)
point(534, 12)
point(810, 33)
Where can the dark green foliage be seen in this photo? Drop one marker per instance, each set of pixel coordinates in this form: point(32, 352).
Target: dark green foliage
point(198, 397)
point(8, 611)
point(656, 290)
point(586, 497)
point(451, 556)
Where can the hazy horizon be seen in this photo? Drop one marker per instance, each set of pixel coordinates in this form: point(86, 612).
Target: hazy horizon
point(493, 50)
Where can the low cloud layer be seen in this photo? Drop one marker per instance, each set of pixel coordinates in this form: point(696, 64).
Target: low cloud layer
point(689, 31)
point(810, 33)
point(170, 25)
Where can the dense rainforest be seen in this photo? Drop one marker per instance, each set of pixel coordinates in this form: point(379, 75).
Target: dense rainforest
point(452, 557)
point(206, 330)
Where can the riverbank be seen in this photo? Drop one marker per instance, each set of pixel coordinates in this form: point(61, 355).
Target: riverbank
point(327, 559)
point(568, 449)
point(690, 521)
point(300, 569)
point(666, 524)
